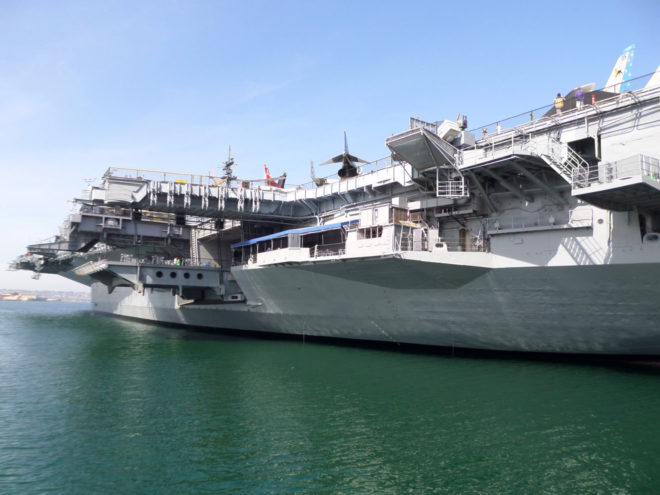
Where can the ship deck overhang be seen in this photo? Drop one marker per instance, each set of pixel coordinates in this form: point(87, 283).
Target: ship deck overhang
point(511, 165)
point(623, 194)
point(503, 161)
point(421, 148)
point(519, 175)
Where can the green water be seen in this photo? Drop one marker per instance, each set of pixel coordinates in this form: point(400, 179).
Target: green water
point(97, 405)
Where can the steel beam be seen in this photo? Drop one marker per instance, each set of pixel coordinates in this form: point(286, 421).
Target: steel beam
point(508, 186)
point(540, 183)
point(477, 183)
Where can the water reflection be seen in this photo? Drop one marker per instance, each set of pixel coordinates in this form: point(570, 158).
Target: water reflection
point(111, 405)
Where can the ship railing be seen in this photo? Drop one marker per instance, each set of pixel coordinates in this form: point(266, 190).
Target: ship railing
point(115, 211)
point(376, 165)
point(162, 176)
point(585, 175)
point(530, 119)
point(634, 166)
point(129, 244)
point(105, 210)
point(498, 146)
point(284, 254)
point(167, 261)
point(518, 136)
point(51, 245)
point(323, 250)
point(429, 126)
point(210, 180)
point(456, 188)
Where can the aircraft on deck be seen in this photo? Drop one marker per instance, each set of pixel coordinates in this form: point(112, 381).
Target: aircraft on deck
point(348, 167)
point(274, 181)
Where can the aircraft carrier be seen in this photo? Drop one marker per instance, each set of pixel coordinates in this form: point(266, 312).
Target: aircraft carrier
point(540, 233)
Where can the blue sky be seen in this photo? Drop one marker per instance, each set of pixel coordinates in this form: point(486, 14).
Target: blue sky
point(170, 85)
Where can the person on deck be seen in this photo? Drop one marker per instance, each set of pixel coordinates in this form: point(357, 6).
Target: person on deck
point(579, 98)
point(559, 103)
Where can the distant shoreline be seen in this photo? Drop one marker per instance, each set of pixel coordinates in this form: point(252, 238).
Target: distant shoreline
point(43, 296)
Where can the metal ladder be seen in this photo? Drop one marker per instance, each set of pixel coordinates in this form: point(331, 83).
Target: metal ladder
point(194, 245)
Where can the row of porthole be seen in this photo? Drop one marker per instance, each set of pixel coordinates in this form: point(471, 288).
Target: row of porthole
point(159, 274)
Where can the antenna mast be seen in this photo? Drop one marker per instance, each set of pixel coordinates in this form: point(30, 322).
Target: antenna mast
point(227, 169)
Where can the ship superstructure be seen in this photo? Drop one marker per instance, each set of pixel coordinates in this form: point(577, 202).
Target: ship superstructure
point(542, 236)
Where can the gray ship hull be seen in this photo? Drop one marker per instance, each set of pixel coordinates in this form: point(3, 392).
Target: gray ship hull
point(597, 309)
point(544, 237)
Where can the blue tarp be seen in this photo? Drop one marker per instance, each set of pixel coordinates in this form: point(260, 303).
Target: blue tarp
point(284, 233)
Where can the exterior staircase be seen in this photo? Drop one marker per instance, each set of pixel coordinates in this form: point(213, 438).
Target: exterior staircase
point(563, 160)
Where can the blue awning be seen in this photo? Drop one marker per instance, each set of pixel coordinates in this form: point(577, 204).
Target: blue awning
point(284, 233)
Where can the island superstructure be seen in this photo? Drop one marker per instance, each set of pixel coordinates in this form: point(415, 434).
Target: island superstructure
point(543, 236)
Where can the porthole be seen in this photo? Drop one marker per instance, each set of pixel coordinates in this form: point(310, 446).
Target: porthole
point(200, 276)
point(600, 221)
point(172, 274)
point(159, 274)
point(186, 275)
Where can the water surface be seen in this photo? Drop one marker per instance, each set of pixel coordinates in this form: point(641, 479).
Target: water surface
point(90, 404)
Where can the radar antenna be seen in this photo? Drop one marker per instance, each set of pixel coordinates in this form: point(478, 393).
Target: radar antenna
point(227, 169)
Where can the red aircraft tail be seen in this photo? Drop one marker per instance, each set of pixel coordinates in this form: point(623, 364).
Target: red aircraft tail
point(273, 182)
